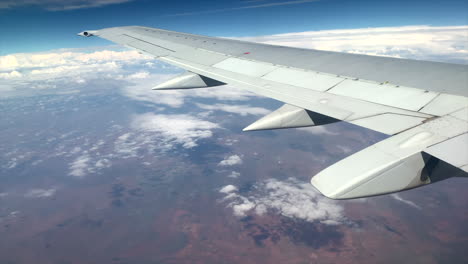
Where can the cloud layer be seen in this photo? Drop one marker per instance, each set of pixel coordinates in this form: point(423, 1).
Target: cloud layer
point(447, 44)
point(66, 68)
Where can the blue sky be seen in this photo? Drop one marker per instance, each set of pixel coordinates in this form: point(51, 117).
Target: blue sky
point(33, 25)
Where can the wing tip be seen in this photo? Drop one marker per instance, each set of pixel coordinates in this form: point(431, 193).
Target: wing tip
point(87, 33)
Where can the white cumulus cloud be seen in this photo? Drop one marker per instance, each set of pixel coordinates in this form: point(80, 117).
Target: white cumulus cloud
point(103, 163)
point(231, 161)
point(289, 198)
point(228, 189)
point(185, 130)
point(80, 167)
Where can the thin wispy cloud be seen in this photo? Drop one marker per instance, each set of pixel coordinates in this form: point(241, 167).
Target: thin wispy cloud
point(59, 5)
point(266, 5)
point(40, 193)
point(397, 197)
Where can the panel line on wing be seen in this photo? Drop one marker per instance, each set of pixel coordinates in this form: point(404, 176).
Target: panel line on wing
point(149, 43)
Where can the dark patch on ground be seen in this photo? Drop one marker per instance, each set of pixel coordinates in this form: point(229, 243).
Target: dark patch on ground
point(66, 222)
point(176, 242)
point(311, 234)
point(390, 229)
point(247, 218)
point(91, 223)
point(117, 190)
point(138, 192)
point(315, 235)
point(117, 203)
point(260, 233)
point(247, 187)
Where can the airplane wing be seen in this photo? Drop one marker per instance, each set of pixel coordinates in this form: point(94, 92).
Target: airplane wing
point(422, 105)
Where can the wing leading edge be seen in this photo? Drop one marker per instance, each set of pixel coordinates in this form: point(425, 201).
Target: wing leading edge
point(422, 105)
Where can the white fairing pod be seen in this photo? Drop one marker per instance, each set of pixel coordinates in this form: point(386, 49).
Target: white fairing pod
point(188, 80)
point(378, 174)
point(289, 116)
point(401, 162)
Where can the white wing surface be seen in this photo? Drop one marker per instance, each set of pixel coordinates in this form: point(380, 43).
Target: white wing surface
point(422, 105)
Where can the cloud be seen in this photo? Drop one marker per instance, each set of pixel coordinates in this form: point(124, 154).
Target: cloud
point(234, 174)
point(80, 167)
point(230, 141)
point(397, 197)
point(271, 4)
point(103, 163)
point(242, 110)
point(74, 68)
point(289, 198)
point(231, 161)
point(157, 133)
point(446, 44)
point(56, 69)
point(40, 193)
point(70, 57)
point(138, 75)
point(228, 189)
point(59, 5)
point(173, 130)
point(10, 75)
point(128, 144)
